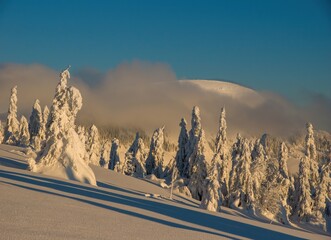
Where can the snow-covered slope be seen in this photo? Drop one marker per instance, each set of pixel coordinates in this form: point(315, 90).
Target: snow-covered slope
point(34, 206)
point(243, 94)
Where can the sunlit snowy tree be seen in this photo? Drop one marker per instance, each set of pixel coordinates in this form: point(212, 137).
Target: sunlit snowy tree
point(12, 124)
point(154, 161)
point(36, 126)
point(94, 146)
point(24, 135)
point(64, 153)
point(181, 152)
point(114, 159)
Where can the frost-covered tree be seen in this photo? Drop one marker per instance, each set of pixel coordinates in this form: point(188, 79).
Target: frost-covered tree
point(43, 125)
point(154, 161)
point(81, 133)
point(36, 128)
point(114, 159)
point(193, 138)
point(241, 184)
point(24, 135)
point(282, 160)
point(199, 167)
point(305, 201)
point(258, 169)
point(64, 153)
point(181, 152)
point(322, 194)
point(221, 159)
point(211, 199)
point(94, 146)
point(1, 132)
point(311, 154)
point(105, 153)
point(12, 125)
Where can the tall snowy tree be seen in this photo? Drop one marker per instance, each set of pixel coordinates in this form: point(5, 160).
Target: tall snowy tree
point(114, 159)
point(322, 193)
point(154, 161)
point(305, 201)
point(311, 154)
point(35, 126)
point(24, 135)
point(193, 138)
point(181, 152)
point(12, 124)
point(199, 167)
point(64, 153)
point(94, 146)
point(43, 131)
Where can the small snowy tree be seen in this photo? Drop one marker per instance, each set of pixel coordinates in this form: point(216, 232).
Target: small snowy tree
point(105, 153)
point(1, 132)
point(199, 167)
point(24, 136)
point(94, 146)
point(114, 159)
point(64, 153)
point(12, 124)
point(35, 126)
point(181, 152)
point(193, 138)
point(154, 161)
point(211, 199)
point(81, 133)
point(282, 160)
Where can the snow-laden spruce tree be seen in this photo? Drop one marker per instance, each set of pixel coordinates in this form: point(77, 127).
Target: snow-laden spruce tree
point(36, 126)
point(154, 161)
point(43, 125)
point(114, 159)
point(1, 132)
point(81, 133)
point(24, 135)
point(193, 138)
point(12, 125)
point(311, 154)
point(64, 153)
point(105, 153)
point(199, 167)
point(305, 202)
point(258, 169)
point(211, 199)
point(222, 159)
point(282, 160)
point(135, 158)
point(241, 183)
point(181, 152)
point(94, 146)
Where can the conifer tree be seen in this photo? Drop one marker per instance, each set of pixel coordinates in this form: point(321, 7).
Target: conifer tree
point(182, 142)
point(24, 135)
point(154, 162)
point(114, 159)
point(12, 124)
point(94, 146)
point(36, 126)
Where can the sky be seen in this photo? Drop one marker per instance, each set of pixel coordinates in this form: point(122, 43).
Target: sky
point(282, 46)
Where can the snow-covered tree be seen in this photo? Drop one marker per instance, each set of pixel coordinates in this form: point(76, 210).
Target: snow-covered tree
point(221, 159)
point(36, 126)
point(322, 193)
point(43, 125)
point(81, 133)
point(211, 199)
point(64, 153)
point(114, 159)
point(199, 167)
point(1, 132)
point(305, 202)
point(24, 135)
point(193, 138)
point(241, 184)
point(94, 146)
point(258, 169)
point(12, 124)
point(182, 142)
point(311, 154)
point(154, 161)
point(282, 160)
point(105, 153)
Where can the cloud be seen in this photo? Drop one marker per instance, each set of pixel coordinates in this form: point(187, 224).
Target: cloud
point(147, 96)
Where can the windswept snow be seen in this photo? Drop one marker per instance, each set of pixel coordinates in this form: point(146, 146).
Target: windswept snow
point(34, 206)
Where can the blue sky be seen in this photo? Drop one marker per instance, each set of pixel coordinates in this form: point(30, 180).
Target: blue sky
point(282, 46)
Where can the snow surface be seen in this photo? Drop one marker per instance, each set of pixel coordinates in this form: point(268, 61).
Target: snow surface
point(35, 206)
